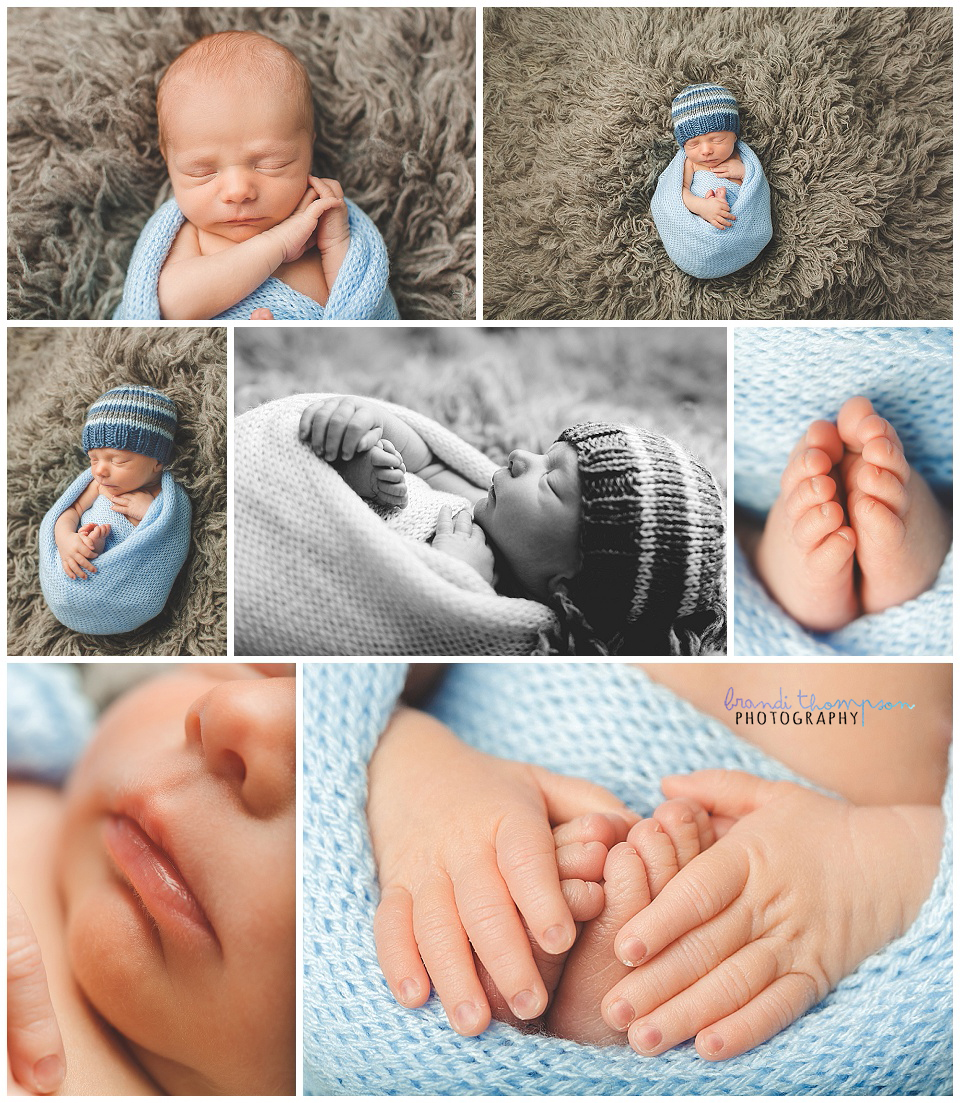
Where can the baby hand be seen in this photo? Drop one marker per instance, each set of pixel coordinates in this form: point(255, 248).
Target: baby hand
point(75, 556)
point(759, 928)
point(133, 505)
point(35, 1057)
point(340, 428)
point(717, 210)
point(334, 227)
point(296, 232)
point(464, 540)
point(466, 858)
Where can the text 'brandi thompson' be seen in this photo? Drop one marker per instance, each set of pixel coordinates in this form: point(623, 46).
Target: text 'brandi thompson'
point(807, 710)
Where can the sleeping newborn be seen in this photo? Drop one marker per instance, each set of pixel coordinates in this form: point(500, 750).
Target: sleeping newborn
point(717, 178)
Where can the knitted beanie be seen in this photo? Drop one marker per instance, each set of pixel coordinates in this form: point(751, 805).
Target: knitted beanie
point(135, 419)
point(703, 109)
point(651, 542)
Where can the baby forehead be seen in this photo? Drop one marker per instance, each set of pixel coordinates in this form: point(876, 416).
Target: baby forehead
point(111, 453)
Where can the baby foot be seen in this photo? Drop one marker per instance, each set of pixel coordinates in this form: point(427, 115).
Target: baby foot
point(903, 534)
point(582, 847)
point(805, 555)
point(94, 536)
point(377, 475)
point(635, 872)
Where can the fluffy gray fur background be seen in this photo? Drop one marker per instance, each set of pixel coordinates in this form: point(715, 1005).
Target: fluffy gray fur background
point(394, 92)
point(502, 387)
point(53, 374)
point(848, 109)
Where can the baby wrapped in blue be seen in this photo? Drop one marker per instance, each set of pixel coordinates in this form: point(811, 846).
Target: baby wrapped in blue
point(712, 202)
point(113, 544)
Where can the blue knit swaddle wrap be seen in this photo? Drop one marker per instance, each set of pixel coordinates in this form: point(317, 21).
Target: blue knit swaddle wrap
point(695, 246)
point(784, 379)
point(49, 720)
point(885, 1029)
point(359, 293)
point(134, 576)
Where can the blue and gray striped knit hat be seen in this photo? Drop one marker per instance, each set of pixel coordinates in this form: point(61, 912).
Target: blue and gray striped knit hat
point(703, 109)
point(651, 539)
point(136, 419)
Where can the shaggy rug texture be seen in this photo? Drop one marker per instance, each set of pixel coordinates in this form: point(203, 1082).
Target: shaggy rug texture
point(848, 109)
point(52, 377)
point(394, 94)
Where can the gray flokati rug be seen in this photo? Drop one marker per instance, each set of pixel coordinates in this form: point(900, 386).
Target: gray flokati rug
point(849, 110)
point(394, 91)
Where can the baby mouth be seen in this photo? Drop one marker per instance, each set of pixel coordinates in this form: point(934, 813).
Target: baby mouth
point(155, 879)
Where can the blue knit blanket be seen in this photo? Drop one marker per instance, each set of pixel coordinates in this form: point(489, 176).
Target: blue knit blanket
point(359, 293)
point(695, 246)
point(785, 379)
point(49, 720)
point(886, 1029)
point(134, 576)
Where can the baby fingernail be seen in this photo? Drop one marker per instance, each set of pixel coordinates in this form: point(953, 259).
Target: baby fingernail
point(466, 1016)
point(712, 1044)
point(645, 1039)
point(526, 1005)
point(632, 951)
point(409, 991)
point(48, 1074)
point(620, 1014)
point(556, 939)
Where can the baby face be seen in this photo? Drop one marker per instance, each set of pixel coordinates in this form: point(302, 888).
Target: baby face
point(118, 471)
point(177, 871)
point(532, 515)
point(238, 157)
point(711, 150)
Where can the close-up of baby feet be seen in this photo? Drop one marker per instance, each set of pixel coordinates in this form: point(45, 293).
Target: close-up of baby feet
point(635, 873)
point(94, 536)
point(902, 532)
point(378, 475)
point(805, 556)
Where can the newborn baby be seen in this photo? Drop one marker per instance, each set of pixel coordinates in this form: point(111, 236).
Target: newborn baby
point(855, 529)
point(706, 122)
point(128, 437)
point(250, 221)
point(716, 177)
point(161, 884)
point(618, 530)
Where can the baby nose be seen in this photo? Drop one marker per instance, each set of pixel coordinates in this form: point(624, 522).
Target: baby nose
point(517, 462)
point(247, 733)
point(237, 185)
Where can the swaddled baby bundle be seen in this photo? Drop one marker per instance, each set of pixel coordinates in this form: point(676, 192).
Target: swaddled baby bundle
point(694, 245)
point(318, 572)
point(136, 570)
point(709, 112)
point(359, 293)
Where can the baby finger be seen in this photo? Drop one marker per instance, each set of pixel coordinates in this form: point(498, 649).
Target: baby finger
point(445, 521)
point(397, 948)
point(463, 522)
point(448, 958)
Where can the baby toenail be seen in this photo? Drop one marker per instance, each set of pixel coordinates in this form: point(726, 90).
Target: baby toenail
point(646, 1039)
point(526, 1005)
point(712, 1044)
point(815, 485)
point(465, 1017)
point(825, 510)
point(632, 951)
point(409, 991)
point(620, 1014)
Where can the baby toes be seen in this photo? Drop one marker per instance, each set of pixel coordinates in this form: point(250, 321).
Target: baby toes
point(806, 463)
point(808, 494)
point(817, 523)
point(851, 414)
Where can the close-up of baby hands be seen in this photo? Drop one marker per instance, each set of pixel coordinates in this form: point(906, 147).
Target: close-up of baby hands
point(756, 930)
point(467, 862)
point(338, 428)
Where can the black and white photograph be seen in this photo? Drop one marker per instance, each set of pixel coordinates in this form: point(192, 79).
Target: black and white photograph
point(507, 492)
